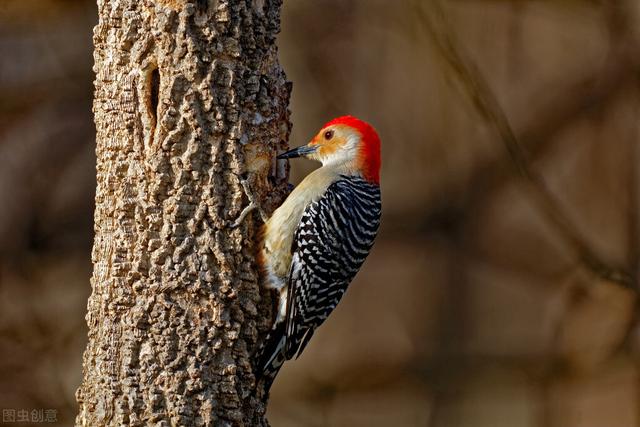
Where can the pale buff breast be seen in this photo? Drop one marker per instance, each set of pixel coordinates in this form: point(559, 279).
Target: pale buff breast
point(281, 227)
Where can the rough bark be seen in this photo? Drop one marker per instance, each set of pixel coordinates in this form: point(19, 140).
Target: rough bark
point(190, 102)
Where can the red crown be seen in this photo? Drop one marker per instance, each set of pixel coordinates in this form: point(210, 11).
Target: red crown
point(370, 150)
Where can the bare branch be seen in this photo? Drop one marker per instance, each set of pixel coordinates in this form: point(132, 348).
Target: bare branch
point(485, 102)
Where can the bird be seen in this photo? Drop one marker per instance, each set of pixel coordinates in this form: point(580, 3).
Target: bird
point(313, 245)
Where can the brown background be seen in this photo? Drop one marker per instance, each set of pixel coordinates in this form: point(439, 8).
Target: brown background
point(488, 298)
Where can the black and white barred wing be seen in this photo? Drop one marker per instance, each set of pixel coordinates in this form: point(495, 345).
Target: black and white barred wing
point(331, 243)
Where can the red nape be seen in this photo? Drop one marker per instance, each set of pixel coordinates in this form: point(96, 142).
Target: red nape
point(370, 145)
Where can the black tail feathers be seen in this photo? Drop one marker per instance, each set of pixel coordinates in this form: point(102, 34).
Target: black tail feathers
point(270, 356)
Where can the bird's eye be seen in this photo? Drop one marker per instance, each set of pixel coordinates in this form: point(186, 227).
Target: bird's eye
point(328, 135)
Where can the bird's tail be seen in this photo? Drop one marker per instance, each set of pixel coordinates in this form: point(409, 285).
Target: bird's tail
point(270, 355)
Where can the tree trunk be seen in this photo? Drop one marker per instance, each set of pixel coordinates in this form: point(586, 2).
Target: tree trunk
point(190, 107)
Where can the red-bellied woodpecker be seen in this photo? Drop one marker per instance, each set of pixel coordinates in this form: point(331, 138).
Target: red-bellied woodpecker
point(314, 244)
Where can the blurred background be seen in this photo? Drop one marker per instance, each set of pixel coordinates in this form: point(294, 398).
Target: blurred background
point(502, 288)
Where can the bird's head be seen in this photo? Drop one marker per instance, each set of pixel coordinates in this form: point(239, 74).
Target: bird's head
point(345, 142)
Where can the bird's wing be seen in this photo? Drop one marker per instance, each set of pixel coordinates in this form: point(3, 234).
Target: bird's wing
point(331, 242)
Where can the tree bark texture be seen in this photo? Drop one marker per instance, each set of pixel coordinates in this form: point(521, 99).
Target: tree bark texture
point(190, 107)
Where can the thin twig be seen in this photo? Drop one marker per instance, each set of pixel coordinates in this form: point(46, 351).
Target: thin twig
point(483, 98)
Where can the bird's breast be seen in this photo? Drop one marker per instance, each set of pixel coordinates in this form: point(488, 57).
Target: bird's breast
point(280, 229)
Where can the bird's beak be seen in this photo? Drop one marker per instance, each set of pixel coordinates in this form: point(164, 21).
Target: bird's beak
point(299, 151)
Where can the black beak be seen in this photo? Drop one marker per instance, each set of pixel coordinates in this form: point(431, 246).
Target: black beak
point(297, 152)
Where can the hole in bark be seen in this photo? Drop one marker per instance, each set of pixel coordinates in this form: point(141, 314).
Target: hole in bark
point(154, 92)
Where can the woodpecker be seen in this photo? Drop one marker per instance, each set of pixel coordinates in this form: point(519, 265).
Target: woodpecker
point(316, 241)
